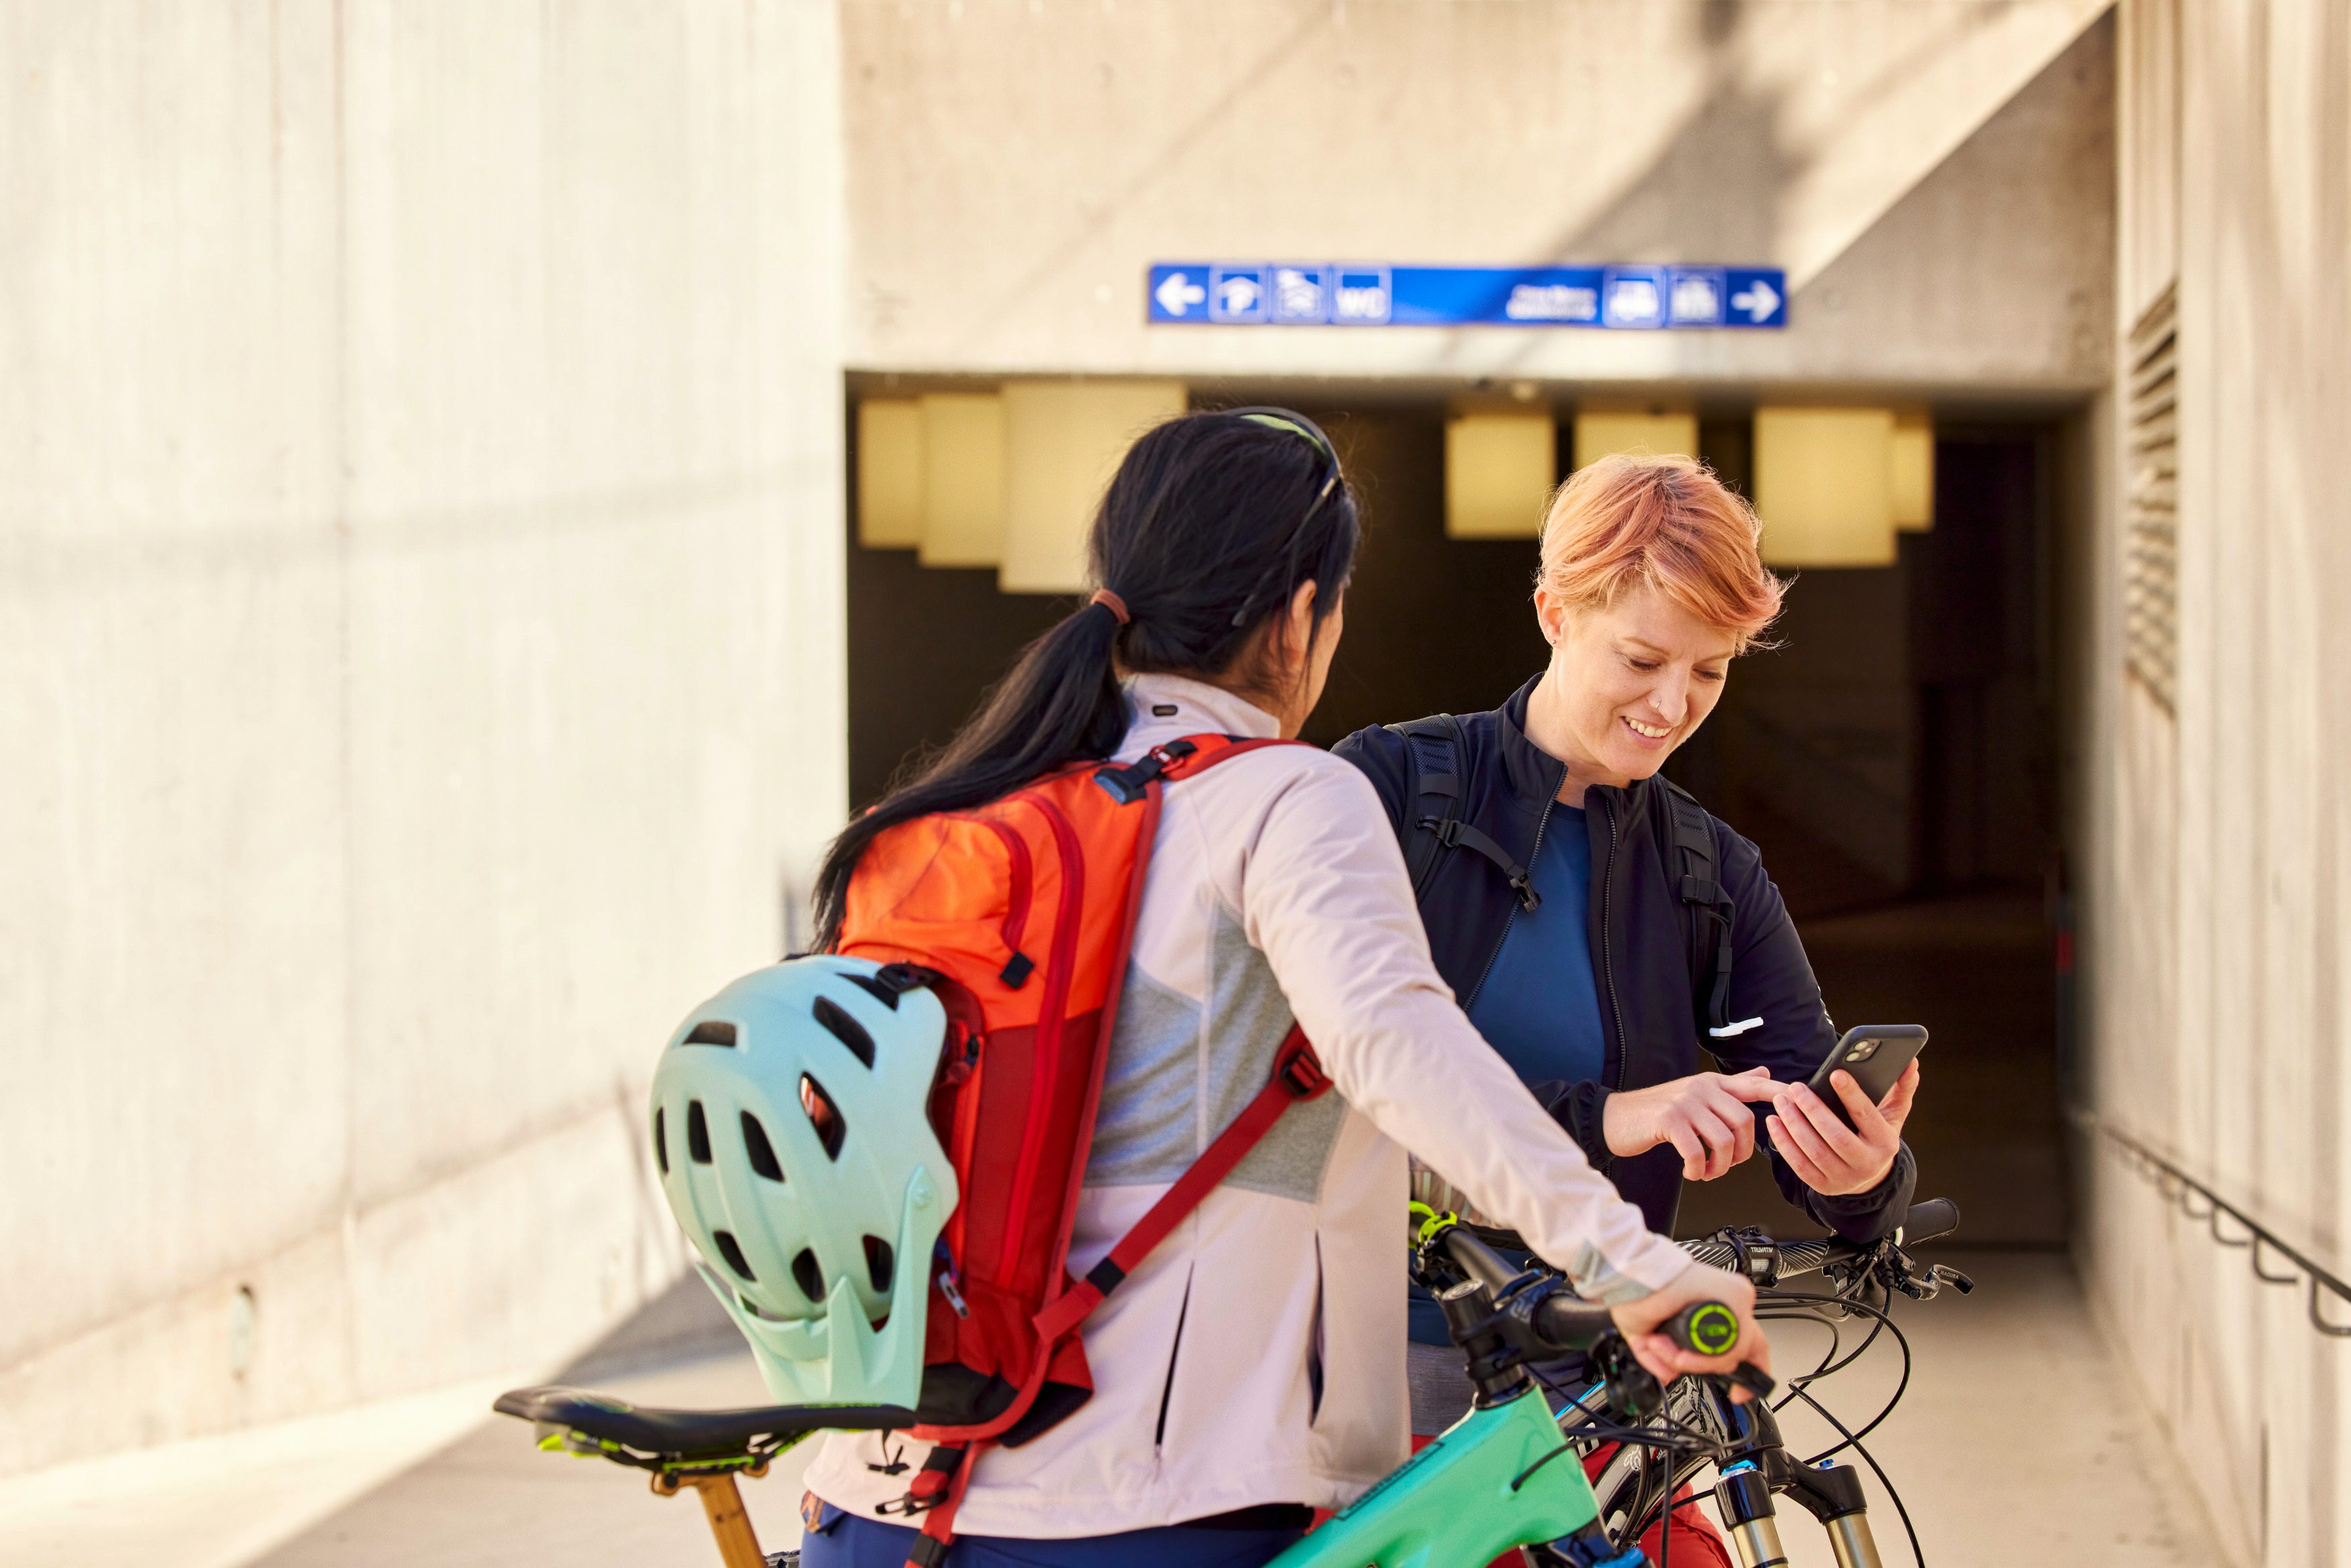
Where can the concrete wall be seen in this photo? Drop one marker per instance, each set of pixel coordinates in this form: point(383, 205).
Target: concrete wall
point(421, 669)
point(1934, 173)
point(2219, 838)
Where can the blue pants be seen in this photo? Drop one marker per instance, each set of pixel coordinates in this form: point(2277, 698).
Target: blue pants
point(852, 1541)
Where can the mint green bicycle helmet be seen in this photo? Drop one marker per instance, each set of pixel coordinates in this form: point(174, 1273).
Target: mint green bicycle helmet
point(791, 1131)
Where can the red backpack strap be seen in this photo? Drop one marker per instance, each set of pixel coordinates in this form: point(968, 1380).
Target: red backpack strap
point(939, 1490)
point(937, 1494)
point(1177, 760)
point(1297, 1077)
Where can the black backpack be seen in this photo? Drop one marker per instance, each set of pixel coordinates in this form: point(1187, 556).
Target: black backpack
point(1436, 746)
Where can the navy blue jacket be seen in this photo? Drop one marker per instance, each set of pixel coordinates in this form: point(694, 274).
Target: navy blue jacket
point(1640, 952)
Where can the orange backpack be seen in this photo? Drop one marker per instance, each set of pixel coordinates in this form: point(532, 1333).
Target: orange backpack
point(1018, 916)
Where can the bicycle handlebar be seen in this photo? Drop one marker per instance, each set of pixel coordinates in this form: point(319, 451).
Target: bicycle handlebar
point(1480, 1261)
point(1927, 1221)
point(1563, 1321)
point(1568, 1322)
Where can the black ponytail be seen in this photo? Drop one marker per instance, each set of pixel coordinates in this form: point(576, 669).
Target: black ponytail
point(1207, 529)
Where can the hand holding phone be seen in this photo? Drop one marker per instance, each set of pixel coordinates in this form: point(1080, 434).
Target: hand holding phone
point(1875, 1054)
point(1814, 1129)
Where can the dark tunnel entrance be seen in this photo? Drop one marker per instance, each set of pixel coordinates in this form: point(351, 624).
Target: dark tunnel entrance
point(1895, 757)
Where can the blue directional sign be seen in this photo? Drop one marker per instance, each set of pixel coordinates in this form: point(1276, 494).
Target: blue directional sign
point(1237, 294)
point(1344, 294)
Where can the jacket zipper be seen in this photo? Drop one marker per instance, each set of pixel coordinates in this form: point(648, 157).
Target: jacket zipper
point(1607, 965)
point(1516, 904)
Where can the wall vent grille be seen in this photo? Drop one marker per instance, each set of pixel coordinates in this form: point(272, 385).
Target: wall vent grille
point(2151, 503)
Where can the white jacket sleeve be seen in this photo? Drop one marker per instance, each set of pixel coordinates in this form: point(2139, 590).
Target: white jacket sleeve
point(1325, 897)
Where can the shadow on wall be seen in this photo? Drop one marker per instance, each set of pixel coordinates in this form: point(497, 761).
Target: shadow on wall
point(1724, 186)
point(1715, 189)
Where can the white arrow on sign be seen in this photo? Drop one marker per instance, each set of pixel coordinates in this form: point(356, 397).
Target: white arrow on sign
point(1759, 299)
point(1178, 293)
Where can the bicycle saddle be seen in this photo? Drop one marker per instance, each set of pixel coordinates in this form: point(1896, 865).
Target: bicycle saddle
point(690, 1434)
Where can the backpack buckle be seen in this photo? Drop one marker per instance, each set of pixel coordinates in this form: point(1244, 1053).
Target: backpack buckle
point(932, 1485)
point(1131, 783)
point(1700, 889)
point(946, 1279)
point(1301, 1071)
point(900, 977)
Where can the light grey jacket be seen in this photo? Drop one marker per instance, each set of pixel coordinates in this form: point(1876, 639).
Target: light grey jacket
point(1258, 1355)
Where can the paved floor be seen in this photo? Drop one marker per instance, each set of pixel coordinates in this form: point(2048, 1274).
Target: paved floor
point(2015, 1442)
point(491, 1498)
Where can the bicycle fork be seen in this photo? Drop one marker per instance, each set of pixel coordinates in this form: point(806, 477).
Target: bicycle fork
point(1830, 1493)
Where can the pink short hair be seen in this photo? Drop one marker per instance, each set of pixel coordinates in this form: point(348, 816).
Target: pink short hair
point(1668, 522)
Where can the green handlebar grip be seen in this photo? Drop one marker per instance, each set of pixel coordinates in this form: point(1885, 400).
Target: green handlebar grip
point(1709, 1328)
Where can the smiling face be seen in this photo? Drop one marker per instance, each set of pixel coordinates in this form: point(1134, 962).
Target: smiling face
point(1626, 684)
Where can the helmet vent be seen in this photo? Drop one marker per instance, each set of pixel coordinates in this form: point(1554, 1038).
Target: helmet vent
point(880, 1263)
point(697, 1134)
point(761, 1151)
point(712, 1031)
point(733, 1254)
point(807, 1275)
point(845, 1028)
point(873, 987)
point(822, 1114)
point(660, 1141)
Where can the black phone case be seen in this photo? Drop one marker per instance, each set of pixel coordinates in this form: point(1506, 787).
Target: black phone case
point(1898, 1046)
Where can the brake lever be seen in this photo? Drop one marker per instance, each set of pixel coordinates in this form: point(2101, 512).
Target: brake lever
point(1753, 1379)
point(1632, 1387)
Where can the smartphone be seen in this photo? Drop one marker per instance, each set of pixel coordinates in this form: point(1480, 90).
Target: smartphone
point(1875, 1054)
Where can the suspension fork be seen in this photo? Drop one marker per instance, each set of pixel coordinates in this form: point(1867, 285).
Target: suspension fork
point(1759, 1466)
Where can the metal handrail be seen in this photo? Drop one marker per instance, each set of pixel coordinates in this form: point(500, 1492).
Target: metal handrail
point(2177, 1187)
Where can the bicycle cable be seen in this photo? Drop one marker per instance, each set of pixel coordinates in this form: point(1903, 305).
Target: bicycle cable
point(1673, 1438)
point(1797, 1386)
point(1917, 1554)
point(1826, 1322)
point(1678, 1437)
point(1803, 1306)
point(1664, 1515)
point(1845, 1299)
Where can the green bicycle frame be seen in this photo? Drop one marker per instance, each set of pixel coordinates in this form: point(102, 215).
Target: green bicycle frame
point(1494, 1480)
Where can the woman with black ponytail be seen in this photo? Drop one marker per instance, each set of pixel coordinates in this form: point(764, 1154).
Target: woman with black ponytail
point(1211, 525)
point(1250, 1370)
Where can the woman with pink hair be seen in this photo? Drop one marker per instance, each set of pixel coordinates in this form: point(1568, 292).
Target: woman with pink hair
point(1596, 923)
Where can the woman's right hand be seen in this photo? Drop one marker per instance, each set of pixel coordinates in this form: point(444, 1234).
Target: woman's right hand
point(1666, 1360)
point(1705, 1116)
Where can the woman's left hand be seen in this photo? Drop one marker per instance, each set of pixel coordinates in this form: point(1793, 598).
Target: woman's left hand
point(1830, 1158)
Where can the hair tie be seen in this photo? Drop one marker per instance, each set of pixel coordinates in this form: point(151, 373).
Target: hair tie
point(1112, 602)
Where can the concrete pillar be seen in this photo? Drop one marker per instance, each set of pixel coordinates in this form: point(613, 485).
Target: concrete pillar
point(420, 668)
point(2221, 867)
